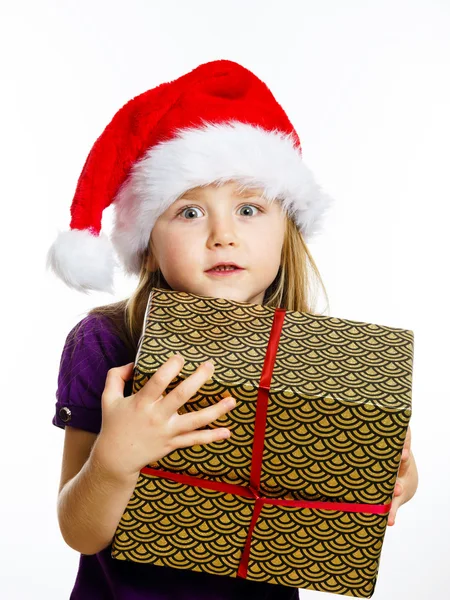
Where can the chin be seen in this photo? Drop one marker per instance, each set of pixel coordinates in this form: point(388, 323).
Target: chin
point(212, 289)
point(217, 291)
point(236, 295)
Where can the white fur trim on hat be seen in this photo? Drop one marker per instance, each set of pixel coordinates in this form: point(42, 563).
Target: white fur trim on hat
point(82, 260)
point(213, 153)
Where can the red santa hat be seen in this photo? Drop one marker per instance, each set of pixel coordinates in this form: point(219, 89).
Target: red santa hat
point(214, 124)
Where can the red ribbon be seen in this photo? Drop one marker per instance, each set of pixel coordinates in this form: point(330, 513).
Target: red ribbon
point(253, 491)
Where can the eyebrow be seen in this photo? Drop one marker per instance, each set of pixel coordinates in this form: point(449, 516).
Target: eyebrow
point(247, 193)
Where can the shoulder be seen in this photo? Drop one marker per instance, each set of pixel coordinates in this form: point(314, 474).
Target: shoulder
point(94, 329)
point(91, 348)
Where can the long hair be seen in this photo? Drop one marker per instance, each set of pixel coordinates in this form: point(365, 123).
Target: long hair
point(293, 288)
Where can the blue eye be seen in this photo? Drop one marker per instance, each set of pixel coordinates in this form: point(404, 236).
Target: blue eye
point(189, 209)
point(246, 207)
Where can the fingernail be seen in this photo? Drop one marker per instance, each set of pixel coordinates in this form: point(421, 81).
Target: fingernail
point(225, 433)
point(209, 363)
point(229, 402)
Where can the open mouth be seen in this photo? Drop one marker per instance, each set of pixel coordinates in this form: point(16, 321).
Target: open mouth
point(224, 270)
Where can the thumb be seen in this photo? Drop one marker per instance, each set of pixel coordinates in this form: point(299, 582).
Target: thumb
point(115, 381)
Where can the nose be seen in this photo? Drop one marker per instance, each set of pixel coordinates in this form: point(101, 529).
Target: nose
point(222, 233)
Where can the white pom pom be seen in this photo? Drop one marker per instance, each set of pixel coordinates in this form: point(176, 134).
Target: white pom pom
point(82, 260)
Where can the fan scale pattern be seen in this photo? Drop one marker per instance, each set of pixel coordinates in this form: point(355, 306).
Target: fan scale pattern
point(339, 407)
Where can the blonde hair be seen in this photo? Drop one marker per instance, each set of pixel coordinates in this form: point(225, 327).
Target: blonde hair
point(293, 288)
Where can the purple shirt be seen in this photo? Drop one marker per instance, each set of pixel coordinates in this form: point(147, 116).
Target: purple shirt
point(87, 356)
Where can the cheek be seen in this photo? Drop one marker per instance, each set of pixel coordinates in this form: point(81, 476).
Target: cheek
point(270, 238)
point(175, 251)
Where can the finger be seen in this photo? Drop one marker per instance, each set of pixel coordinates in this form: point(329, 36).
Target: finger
point(404, 466)
point(201, 437)
point(194, 420)
point(398, 489)
point(393, 512)
point(407, 444)
point(115, 381)
point(155, 387)
point(186, 389)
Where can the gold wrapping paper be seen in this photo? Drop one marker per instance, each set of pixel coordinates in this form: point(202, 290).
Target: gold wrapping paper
point(339, 407)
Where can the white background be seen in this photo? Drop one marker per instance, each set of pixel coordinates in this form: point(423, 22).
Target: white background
point(366, 84)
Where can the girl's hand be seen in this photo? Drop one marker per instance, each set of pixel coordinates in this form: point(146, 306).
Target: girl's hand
point(142, 428)
point(407, 479)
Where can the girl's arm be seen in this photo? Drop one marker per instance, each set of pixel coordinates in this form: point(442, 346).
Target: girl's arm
point(99, 473)
point(91, 499)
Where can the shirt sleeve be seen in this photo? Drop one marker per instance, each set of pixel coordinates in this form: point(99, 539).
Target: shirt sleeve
point(90, 350)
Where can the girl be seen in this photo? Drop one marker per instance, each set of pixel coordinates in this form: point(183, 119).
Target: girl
point(211, 197)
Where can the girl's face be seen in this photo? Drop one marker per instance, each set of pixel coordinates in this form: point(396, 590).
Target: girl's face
point(211, 225)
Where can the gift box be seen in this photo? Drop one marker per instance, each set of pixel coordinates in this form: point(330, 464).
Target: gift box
point(299, 495)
